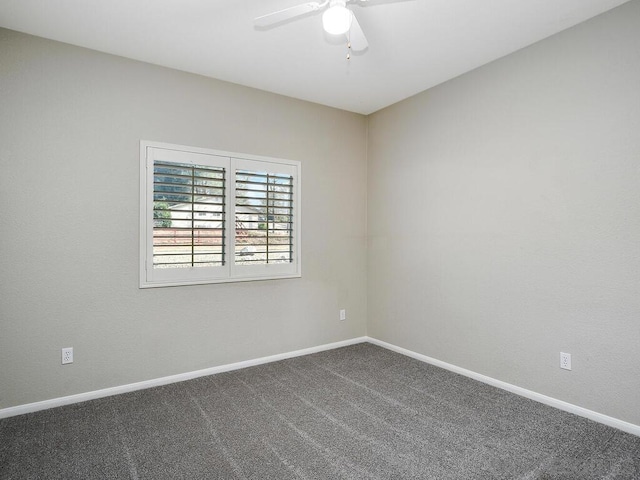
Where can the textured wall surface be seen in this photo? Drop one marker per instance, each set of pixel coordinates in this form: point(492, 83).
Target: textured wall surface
point(504, 218)
point(70, 125)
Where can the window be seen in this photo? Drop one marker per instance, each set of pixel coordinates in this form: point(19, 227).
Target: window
point(208, 216)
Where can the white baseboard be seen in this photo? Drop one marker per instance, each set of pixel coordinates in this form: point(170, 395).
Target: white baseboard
point(156, 382)
point(106, 392)
point(538, 397)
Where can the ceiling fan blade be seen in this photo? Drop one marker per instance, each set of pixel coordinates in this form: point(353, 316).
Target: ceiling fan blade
point(285, 14)
point(356, 36)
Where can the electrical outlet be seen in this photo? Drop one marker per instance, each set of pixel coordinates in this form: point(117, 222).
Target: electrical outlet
point(343, 314)
point(67, 355)
point(565, 360)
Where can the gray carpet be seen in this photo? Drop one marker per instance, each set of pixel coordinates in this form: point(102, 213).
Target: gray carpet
point(360, 412)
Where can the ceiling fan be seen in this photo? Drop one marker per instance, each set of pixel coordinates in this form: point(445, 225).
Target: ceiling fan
point(336, 20)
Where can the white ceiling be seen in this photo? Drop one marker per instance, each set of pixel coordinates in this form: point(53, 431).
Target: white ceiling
point(413, 44)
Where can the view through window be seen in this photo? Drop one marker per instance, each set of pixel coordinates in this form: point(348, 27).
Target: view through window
point(208, 216)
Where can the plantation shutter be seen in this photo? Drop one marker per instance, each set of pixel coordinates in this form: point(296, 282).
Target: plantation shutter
point(186, 219)
point(210, 217)
point(266, 196)
point(188, 215)
point(263, 217)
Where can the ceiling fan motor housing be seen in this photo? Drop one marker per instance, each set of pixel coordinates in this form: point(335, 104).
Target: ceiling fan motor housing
point(337, 19)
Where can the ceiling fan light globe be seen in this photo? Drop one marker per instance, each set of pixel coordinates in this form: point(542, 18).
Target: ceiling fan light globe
point(337, 20)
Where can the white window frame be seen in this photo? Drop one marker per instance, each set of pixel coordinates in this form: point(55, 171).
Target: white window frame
point(229, 272)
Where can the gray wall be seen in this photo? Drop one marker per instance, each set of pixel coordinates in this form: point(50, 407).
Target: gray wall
point(504, 218)
point(70, 125)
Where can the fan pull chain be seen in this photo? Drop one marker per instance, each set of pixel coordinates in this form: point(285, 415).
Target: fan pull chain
point(349, 45)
